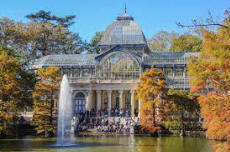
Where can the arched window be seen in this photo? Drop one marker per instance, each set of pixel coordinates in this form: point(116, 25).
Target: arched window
point(119, 66)
point(79, 102)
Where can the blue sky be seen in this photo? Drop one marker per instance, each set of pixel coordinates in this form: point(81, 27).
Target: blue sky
point(96, 15)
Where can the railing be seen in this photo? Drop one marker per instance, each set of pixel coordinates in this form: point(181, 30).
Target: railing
point(98, 80)
point(118, 81)
point(81, 80)
point(165, 61)
point(172, 82)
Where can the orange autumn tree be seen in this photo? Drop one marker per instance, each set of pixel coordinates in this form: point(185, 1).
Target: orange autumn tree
point(211, 77)
point(8, 87)
point(45, 101)
point(151, 90)
point(220, 146)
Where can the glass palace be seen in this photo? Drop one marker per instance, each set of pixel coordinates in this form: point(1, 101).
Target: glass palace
point(108, 80)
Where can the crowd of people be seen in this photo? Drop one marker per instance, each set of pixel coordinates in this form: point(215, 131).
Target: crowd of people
point(117, 125)
point(99, 121)
point(115, 112)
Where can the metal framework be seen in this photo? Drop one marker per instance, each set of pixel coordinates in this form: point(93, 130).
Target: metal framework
point(125, 57)
point(119, 66)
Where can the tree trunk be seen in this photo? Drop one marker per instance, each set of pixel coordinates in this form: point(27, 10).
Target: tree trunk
point(154, 115)
point(182, 123)
point(45, 44)
point(51, 108)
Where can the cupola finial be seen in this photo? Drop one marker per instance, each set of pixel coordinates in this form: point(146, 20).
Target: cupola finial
point(125, 7)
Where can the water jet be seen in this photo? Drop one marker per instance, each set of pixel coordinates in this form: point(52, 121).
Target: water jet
point(64, 114)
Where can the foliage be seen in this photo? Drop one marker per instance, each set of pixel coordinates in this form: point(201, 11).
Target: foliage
point(179, 104)
point(8, 72)
point(166, 41)
point(46, 17)
point(211, 73)
point(93, 45)
point(46, 39)
point(215, 109)
point(43, 35)
point(162, 41)
point(186, 43)
point(151, 91)
point(220, 146)
point(45, 101)
point(15, 85)
point(54, 36)
point(12, 34)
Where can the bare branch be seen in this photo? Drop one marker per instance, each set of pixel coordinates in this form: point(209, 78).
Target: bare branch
point(201, 25)
point(210, 21)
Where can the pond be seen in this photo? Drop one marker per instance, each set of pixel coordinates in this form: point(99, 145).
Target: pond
point(111, 144)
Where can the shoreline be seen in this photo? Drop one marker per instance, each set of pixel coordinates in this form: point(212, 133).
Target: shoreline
point(102, 134)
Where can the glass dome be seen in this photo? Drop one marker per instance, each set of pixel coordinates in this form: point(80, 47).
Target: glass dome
point(123, 31)
point(119, 66)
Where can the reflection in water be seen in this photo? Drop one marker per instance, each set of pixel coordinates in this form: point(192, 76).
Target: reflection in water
point(112, 144)
point(220, 146)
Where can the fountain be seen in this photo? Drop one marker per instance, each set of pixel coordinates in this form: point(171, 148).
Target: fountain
point(64, 114)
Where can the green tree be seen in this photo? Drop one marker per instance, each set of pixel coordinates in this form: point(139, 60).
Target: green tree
point(162, 41)
point(25, 78)
point(45, 101)
point(186, 43)
point(93, 45)
point(47, 17)
point(53, 35)
point(12, 34)
point(179, 104)
point(41, 37)
point(46, 39)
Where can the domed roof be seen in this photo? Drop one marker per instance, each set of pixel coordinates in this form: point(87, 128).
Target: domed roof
point(123, 31)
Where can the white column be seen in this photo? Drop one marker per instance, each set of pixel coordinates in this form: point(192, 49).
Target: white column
point(121, 103)
point(89, 101)
point(132, 103)
point(98, 100)
point(139, 107)
point(109, 102)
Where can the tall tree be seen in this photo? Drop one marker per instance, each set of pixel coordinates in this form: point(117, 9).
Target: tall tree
point(12, 34)
point(186, 43)
point(15, 86)
point(8, 73)
point(151, 90)
point(45, 101)
point(211, 74)
point(43, 35)
point(162, 41)
point(46, 17)
point(46, 39)
point(54, 34)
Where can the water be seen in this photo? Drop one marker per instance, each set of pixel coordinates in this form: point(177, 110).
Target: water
point(64, 114)
point(64, 143)
point(112, 144)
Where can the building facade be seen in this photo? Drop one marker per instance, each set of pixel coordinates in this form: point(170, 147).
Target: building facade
point(108, 80)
